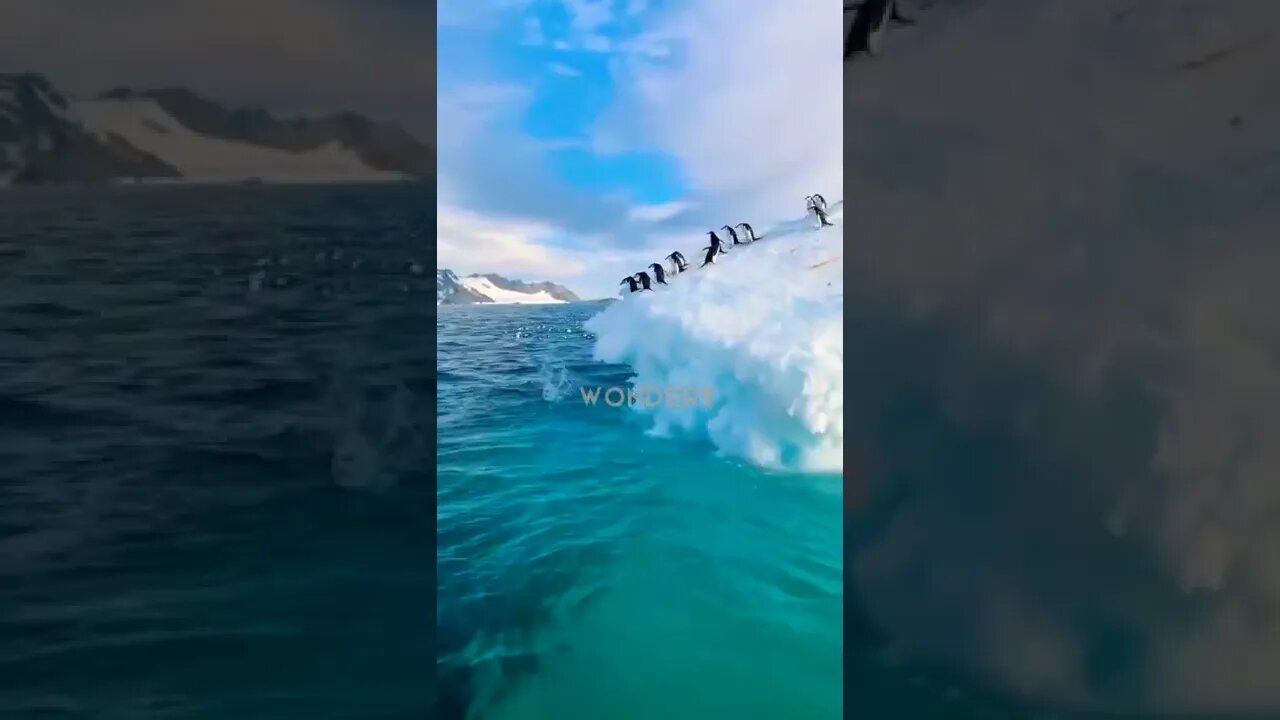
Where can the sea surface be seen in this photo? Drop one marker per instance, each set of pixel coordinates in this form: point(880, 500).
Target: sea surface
point(589, 569)
point(215, 457)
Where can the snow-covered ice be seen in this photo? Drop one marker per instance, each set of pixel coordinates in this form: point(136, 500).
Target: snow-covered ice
point(762, 328)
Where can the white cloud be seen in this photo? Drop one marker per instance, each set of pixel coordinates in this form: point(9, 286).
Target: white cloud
point(751, 131)
point(755, 130)
point(464, 111)
point(588, 16)
point(564, 70)
point(468, 242)
point(658, 212)
point(597, 43)
point(521, 248)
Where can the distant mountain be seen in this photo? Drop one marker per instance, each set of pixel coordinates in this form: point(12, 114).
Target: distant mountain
point(42, 141)
point(492, 288)
point(175, 135)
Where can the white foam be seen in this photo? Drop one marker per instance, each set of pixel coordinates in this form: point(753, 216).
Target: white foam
point(763, 329)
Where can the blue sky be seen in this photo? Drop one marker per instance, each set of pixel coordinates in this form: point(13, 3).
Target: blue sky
point(581, 139)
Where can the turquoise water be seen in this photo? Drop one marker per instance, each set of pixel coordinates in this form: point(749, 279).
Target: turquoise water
point(587, 569)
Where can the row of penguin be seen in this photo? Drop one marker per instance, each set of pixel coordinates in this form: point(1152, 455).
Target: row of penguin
point(639, 282)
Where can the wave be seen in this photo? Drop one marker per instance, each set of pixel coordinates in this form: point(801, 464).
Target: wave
point(759, 333)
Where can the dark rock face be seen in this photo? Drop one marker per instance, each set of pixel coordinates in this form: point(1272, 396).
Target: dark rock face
point(40, 142)
point(451, 291)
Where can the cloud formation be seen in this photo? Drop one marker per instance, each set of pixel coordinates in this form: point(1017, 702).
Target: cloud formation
point(749, 133)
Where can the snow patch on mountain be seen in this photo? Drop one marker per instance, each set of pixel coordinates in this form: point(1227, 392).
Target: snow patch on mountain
point(492, 289)
point(486, 287)
point(145, 125)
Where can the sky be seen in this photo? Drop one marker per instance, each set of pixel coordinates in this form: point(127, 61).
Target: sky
point(580, 140)
point(375, 57)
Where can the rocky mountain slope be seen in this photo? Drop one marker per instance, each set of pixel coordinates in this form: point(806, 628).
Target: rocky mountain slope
point(176, 135)
point(492, 288)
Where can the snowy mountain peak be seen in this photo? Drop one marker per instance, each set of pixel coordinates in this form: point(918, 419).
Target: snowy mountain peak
point(491, 288)
point(175, 134)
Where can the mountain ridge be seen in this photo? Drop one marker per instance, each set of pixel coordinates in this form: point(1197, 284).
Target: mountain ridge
point(176, 134)
point(492, 288)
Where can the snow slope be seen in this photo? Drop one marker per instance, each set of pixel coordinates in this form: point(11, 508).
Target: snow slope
point(502, 296)
point(145, 125)
point(762, 328)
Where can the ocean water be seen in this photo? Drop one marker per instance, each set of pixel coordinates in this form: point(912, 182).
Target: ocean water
point(589, 568)
point(215, 456)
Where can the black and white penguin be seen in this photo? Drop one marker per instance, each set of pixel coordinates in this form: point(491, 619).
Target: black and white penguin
point(631, 283)
point(869, 22)
point(678, 260)
point(715, 248)
point(733, 234)
point(819, 201)
point(643, 277)
point(748, 231)
point(659, 276)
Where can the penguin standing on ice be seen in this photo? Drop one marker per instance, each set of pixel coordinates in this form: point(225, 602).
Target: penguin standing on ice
point(715, 248)
point(869, 22)
point(643, 277)
point(732, 234)
point(678, 260)
point(631, 283)
point(748, 231)
point(659, 276)
point(817, 204)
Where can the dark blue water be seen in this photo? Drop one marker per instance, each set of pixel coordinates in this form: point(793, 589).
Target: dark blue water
point(216, 409)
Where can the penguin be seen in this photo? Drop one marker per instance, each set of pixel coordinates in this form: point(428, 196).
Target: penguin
point(631, 283)
point(715, 248)
point(750, 233)
point(659, 276)
point(643, 277)
point(819, 201)
point(822, 216)
point(716, 243)
point(710, 258)
point(732, 234)
point(869, 21)
point(678, 260)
